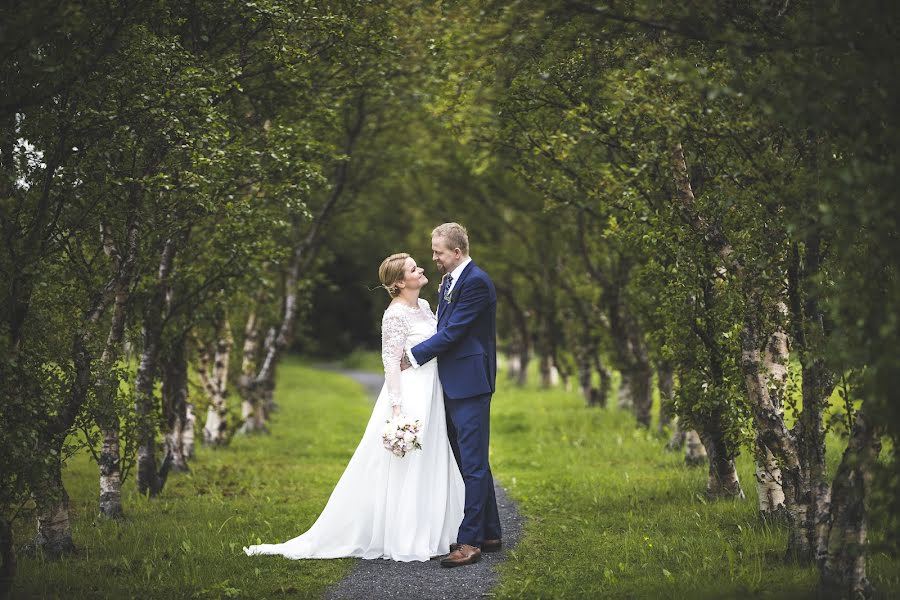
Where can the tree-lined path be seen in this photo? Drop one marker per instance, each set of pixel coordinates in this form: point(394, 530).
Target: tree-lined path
point(689, 211)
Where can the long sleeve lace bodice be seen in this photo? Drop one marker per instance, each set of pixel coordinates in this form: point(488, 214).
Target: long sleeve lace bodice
point(402, 326)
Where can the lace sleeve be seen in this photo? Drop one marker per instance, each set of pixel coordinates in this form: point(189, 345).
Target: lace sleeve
point(394, 328)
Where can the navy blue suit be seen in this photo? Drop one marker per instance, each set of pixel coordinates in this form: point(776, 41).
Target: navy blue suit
point(466, 346)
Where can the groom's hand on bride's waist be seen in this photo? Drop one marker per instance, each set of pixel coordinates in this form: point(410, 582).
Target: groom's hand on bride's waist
point(404, 362)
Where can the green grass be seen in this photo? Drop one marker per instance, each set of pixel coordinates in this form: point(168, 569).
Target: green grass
point(610, 513)
point(187, 543)
point(363, 360)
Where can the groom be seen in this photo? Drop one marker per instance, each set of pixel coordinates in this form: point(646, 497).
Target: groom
point(466, 344)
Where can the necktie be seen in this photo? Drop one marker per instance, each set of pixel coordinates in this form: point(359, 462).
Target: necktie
point(442, 301)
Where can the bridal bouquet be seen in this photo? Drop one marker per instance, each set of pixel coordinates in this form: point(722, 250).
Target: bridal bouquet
point(401, 435)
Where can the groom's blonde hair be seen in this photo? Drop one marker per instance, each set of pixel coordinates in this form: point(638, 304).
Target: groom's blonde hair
point(455, 235)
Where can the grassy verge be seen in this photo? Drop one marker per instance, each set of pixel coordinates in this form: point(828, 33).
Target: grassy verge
point(609, 513)
point(363, 360)
point(187, 543)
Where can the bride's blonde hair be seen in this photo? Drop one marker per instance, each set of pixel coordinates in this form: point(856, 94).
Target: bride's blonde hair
point(391, 271)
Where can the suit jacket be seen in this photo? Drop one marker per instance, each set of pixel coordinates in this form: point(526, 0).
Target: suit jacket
point(466, 338)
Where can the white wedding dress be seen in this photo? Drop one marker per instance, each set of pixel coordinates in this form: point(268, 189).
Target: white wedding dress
point(384, 506)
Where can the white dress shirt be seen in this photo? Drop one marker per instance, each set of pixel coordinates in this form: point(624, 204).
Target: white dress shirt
point(455, 273)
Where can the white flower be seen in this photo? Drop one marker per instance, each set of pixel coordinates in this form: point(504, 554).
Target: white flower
point(401, 435)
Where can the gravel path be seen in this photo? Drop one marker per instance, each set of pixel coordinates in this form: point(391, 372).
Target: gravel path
point(427, 580)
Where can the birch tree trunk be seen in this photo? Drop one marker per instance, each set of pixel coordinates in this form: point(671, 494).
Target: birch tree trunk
point(522, 336)
point(624, 395)
point(803, 487)
point(187, 434)
point(546, 370)
point(110, 471)
point(252, 414)
point(589, 391)
point(513, 366)
point(150, 479)
point(107, 386)
point(587, 350)
point(605, 381)
point(722, 482)
point(843, 526)
point(770, 493)
point(524, 362)
point(215, 381)
point(54, 534)
point(636, 392)
point(636, 385)
point(694, 451)
point(676, 440)
point(666, 384)
point(769, 488)
point(54, 531)
point(556, 376)
point(174, 401)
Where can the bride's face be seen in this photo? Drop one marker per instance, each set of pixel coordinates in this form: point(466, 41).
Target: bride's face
point(413, 275)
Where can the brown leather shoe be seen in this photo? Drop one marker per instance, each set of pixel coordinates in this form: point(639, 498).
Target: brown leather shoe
point(463, 555)
point(486, 546)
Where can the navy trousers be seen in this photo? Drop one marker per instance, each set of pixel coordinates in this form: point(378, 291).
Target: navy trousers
point(468, 426)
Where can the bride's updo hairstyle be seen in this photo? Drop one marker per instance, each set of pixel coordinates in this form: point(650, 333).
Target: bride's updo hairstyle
point(391, 271)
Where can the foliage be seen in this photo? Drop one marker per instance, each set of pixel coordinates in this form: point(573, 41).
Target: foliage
point(258, 138)
point(607, 514)
point(189, 544)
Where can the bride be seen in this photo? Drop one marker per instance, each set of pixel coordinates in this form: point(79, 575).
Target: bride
point(385, 506)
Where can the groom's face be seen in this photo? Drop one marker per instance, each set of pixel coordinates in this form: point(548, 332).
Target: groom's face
point(445, 258)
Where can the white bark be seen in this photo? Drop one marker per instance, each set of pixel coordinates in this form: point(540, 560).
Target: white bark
point(677, 440)
point(54, 530)
point(214, 426)
point(187, 434)
point(694, 452)
point(625, 399)
point(110, 475)
point(842, 526)
point(150, 479)
point(253, 417)
point(106, 387)
point(769, 482)
point(514, 366)
point(215, 381)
